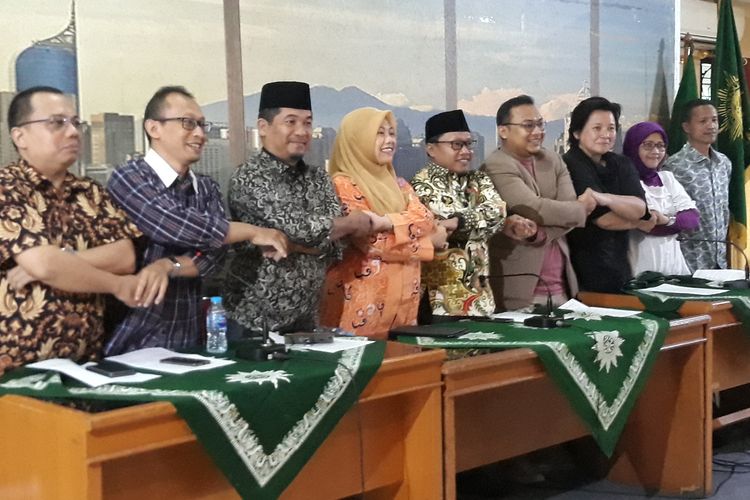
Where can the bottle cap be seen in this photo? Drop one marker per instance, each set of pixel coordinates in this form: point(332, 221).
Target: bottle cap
point(216, 300)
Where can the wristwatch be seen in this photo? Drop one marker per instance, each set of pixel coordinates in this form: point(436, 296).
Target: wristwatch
point(671, 220)
point(176, 266)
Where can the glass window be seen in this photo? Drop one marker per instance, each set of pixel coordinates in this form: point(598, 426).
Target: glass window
point(386, 54)
point(112, 56)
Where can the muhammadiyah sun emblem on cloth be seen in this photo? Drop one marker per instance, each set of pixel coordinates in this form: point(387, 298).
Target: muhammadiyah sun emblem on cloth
point(729, 107)
point(481, 336)
point(259, 377)
point(607, 348)
point(584, 315)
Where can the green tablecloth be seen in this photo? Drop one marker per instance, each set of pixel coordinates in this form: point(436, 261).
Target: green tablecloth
point(259, 421)
point(666, 303)
point(600, 364)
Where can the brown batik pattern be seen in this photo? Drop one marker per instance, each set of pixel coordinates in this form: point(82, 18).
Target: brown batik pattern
point(38, 321)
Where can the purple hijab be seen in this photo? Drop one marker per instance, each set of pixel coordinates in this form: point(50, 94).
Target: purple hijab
point(633, 139)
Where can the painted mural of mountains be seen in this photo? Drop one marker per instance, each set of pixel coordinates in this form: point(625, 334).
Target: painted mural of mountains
point(330, 106)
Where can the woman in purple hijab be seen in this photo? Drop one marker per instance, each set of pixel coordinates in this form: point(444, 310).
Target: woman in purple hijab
point(654, 245)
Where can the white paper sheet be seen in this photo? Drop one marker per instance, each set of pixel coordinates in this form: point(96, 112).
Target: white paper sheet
point(720, 274)
point(339, 344)
point(514, 316)
point(577, 306)
point(667, 288)
point(150, 359)
point(89, 378)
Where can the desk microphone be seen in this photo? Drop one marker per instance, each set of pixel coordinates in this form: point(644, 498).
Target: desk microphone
point(265, 351)
point(548, 320)
point(733, 284)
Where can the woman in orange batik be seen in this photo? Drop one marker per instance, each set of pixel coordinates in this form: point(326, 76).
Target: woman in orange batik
point(376, 286)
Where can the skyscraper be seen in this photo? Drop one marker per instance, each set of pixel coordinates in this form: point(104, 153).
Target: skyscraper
point(215, 162)
point(52, 61)
point(7, 151)
point(410, 155)
point(112, 138)
point(321, 146)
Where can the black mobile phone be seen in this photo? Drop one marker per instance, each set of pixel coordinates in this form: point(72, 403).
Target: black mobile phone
point(111, 369)
point(177, 360)
point(443, 330)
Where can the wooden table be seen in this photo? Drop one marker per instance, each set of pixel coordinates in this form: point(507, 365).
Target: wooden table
point(504, 404)
point(147, 451)
point(730, 343)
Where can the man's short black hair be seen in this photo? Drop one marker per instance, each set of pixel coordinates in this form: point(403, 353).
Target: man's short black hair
point(503, 112)
point(155, 105)
point(687, 113)
point(582, 112)
point(268, 114)
point(20, 107)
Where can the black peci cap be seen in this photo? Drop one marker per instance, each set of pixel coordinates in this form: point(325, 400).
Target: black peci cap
point(285, 95)
point(448, 121)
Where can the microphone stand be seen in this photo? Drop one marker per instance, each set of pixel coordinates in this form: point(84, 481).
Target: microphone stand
point(732, 284)
point(548, 319)
point(263, 351)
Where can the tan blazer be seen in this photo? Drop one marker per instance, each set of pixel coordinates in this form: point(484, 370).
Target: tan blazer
point(550, 201)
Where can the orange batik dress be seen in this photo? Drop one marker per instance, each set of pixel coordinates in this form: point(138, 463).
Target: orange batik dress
point(377, 284)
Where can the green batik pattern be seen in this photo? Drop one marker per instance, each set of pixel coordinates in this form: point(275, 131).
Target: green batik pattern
point(601, 386)
point(240, 435)
point(659, 303)
point(218, 417)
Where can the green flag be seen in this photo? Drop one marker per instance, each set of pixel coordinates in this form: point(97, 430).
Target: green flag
point(687, 92)
point(729, 93)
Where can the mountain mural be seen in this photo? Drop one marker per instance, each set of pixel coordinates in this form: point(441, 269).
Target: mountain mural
point(330, 106)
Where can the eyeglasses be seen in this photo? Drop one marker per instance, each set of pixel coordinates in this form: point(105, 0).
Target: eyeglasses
point(189, 123)
point(57, 122)
point(650, 146)
point(458, 145)
point(529, 126)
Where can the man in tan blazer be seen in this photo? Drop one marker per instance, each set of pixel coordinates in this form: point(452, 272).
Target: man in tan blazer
point(535, 184)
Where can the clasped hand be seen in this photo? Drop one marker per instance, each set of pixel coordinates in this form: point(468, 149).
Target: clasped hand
point(519, 228)
point(18, 278)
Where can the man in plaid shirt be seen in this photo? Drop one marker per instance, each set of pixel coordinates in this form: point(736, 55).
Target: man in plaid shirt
point(182, 217)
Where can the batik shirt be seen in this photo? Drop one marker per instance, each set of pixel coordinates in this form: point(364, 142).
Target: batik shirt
point(300, 201)
point(376, 286)
point(706, 180)
point(39, 321)
point(179, 217)
point(456, 279)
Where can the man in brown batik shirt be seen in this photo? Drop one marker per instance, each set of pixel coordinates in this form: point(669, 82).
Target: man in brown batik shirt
point(62, 241)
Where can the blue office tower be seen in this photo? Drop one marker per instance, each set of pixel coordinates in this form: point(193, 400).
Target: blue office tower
point(52, 62)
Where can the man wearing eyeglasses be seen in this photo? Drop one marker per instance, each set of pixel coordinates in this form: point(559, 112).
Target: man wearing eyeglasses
point(182, 217)
point(62, 241)
point(535, 183)
point(467, 204)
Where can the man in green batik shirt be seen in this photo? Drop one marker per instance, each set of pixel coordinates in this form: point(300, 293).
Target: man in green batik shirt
point(467, 204)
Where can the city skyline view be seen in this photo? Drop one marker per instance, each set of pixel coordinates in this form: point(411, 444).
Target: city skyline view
point(392, 52)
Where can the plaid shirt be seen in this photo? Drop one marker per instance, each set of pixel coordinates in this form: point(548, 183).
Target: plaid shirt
point(177, 219)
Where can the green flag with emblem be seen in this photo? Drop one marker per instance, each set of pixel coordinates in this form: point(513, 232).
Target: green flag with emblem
point(687, 92)
point(729, 93)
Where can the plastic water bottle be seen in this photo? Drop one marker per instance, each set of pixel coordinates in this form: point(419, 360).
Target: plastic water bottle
point(216, 327)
